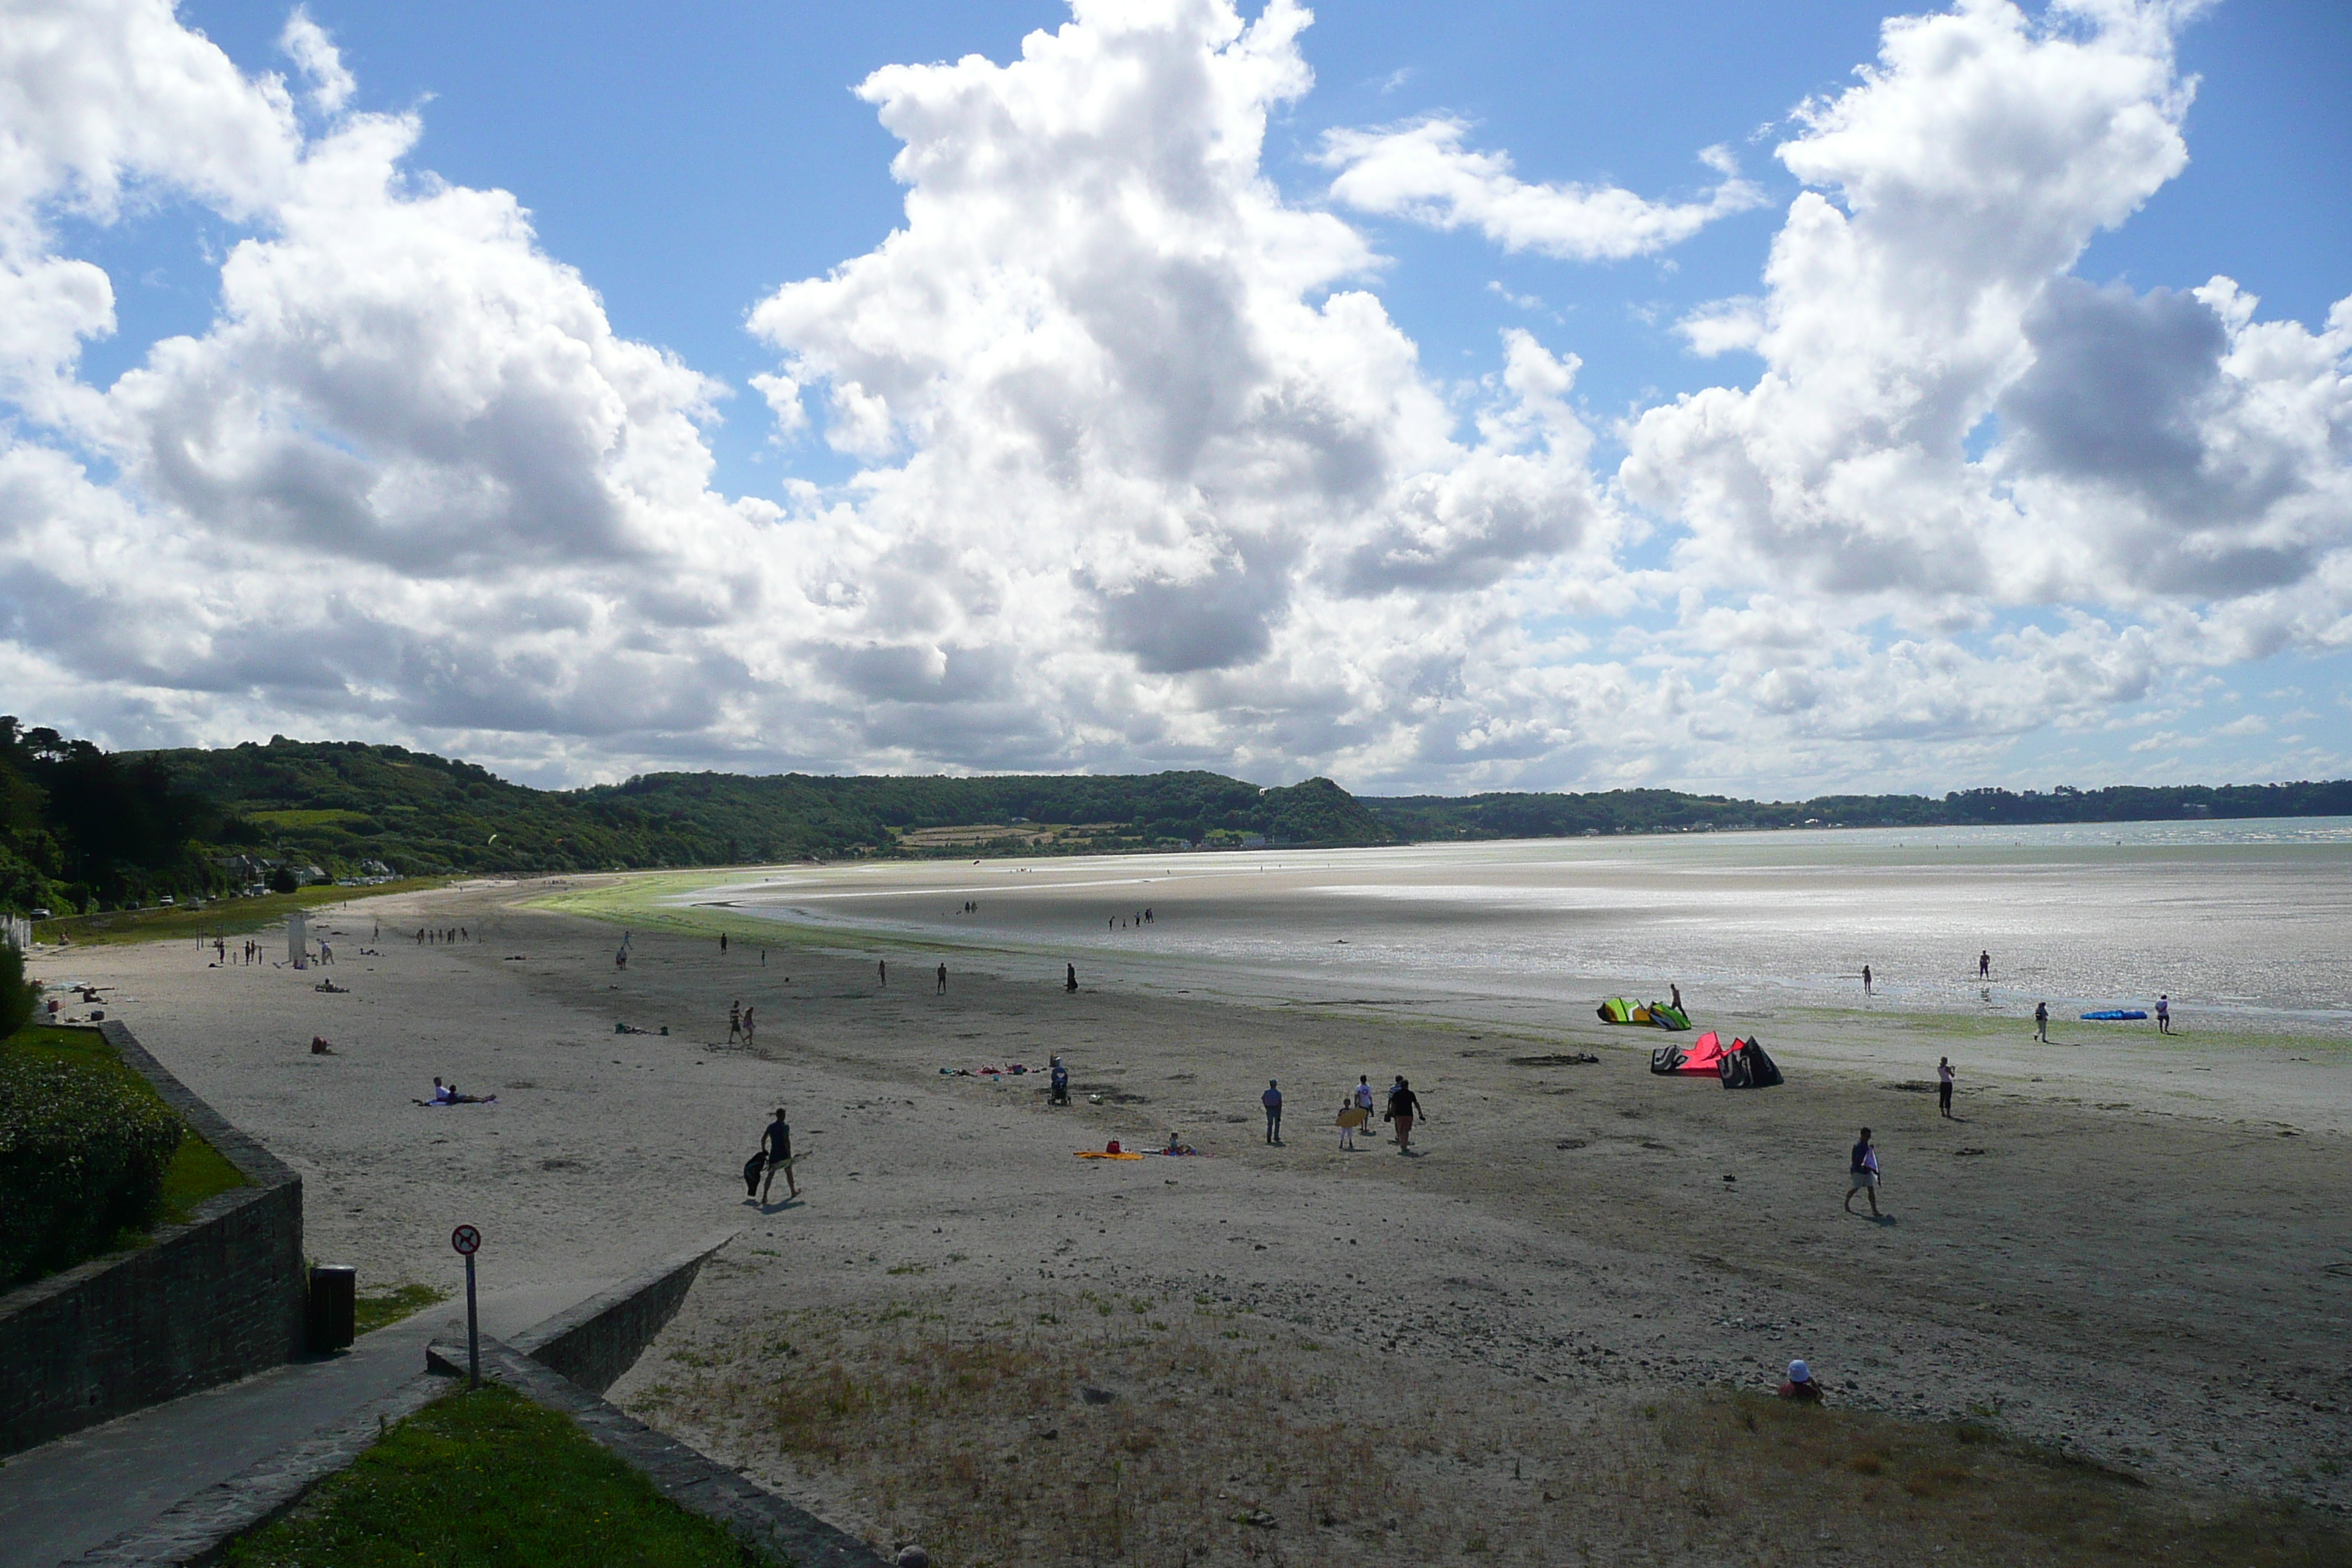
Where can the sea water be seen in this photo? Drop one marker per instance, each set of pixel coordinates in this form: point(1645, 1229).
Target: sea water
point(2248, 922)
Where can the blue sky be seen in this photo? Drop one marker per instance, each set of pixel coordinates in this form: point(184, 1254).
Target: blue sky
point(697, 164)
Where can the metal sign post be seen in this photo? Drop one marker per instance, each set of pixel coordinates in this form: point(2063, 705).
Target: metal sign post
point(468, 1241)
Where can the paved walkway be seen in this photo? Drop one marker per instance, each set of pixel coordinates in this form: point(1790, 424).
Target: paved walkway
point(58, 1500)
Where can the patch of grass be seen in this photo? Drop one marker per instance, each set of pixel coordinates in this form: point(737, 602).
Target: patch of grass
point(222, 916)
point(295, 818)
point(386, 1308)
point(197, 1171)
point(488, 1479)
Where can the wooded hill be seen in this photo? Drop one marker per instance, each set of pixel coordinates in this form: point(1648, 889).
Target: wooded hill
point(83, 828)
point(341, 802)
point(1430, 817)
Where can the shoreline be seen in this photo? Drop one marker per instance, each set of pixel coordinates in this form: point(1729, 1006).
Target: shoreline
point(2271, 1077)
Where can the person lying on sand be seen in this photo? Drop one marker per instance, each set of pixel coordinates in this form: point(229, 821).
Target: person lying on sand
point(1801, 1385)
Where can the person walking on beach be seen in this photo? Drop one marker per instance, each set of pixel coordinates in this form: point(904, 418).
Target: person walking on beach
point(1272, 1100)
point(1984, 964)
point(2164, 1014)
point(943, 979)
point(1071, 983)
point(1944, 1076)
point(1677, 1002)
point(1865, 979)
point(723, 944)
point(1403, 1106)
point(882, 971)
point(1350, 1120)
point(1364, 1096)
point(1864, 1174)
point(751, 1028)
point(2042, 1022)
point(734, 1020)
point(777, 1144)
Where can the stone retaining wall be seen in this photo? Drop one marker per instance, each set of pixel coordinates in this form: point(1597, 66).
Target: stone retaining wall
point(594, 1342)
point(217, 1298)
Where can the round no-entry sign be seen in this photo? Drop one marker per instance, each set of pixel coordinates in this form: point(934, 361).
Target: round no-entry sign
point(466, 1240)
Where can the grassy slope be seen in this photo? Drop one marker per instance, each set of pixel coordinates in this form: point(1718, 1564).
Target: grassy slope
point(482, 1479)
point(198, 1171)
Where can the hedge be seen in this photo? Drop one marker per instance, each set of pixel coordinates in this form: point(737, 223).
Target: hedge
point(83, 1153)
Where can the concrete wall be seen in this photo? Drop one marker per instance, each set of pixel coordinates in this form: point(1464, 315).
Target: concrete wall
point(217, 1298)
point(594, 1342)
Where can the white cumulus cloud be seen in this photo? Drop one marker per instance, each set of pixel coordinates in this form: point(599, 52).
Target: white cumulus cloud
point(1423, 173)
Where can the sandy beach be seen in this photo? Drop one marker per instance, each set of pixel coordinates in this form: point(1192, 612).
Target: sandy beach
point(2156, 1274)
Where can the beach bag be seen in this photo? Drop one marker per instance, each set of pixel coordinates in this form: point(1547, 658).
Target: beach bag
point(751, 1169)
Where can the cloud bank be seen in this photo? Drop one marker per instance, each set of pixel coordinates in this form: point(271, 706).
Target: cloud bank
point(1147, 474)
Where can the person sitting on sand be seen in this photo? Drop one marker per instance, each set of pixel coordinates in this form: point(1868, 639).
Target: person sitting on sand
point(1061, 1085)
point(1801, 1384)
point(442, 1092)
point(1176, 1146)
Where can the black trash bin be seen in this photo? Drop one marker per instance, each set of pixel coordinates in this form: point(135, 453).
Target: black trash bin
point(334, 1306)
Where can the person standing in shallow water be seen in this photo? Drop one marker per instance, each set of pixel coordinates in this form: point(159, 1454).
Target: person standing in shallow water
point(1984, 964)
point(1865, 979)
